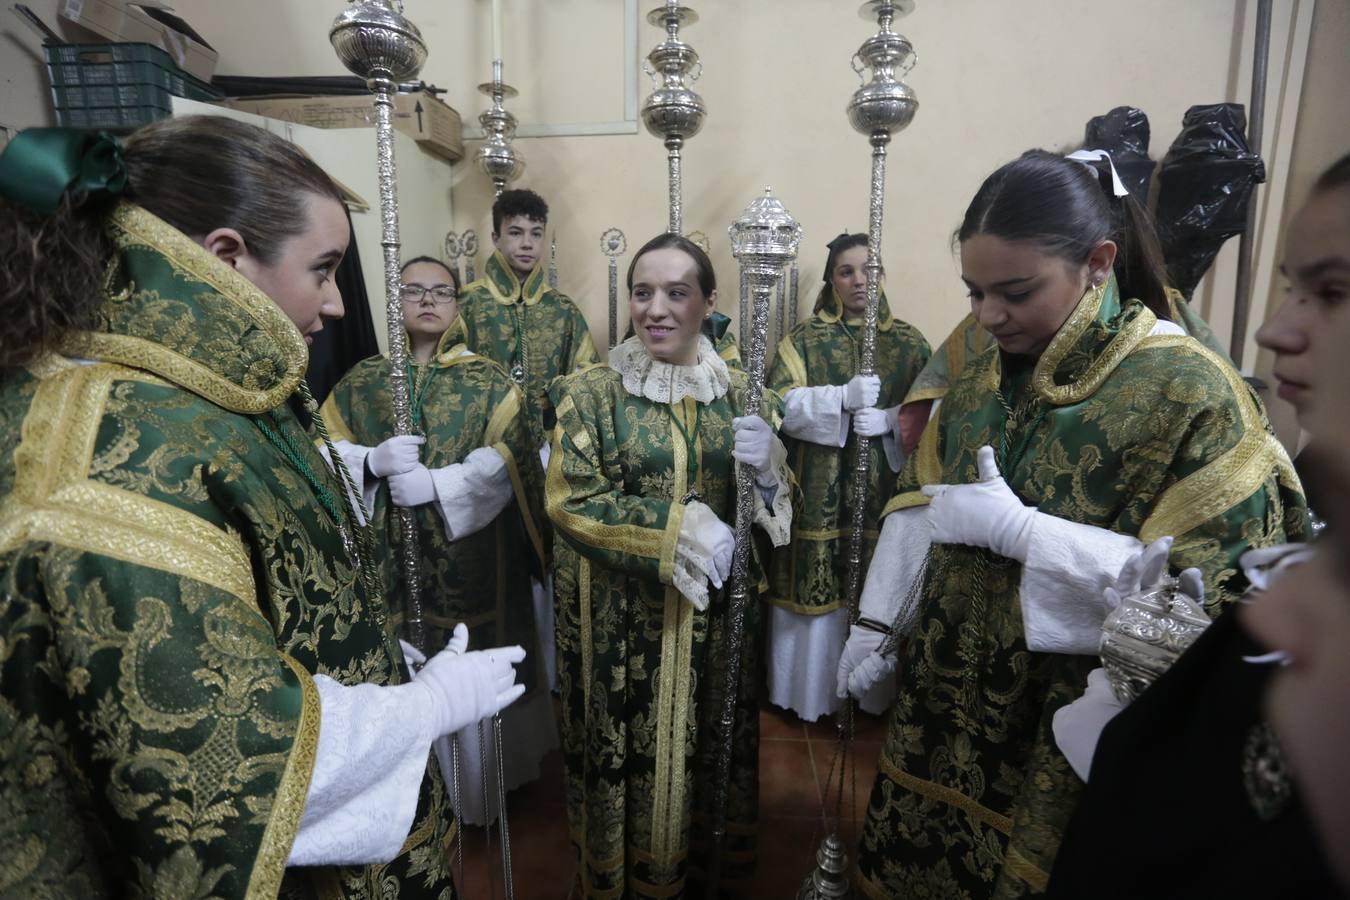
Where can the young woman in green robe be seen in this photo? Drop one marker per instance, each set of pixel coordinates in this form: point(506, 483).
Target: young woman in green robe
point(473, 478)
point(1093, 427)
point(200, 694)
point(641, 489)
point(827, 405)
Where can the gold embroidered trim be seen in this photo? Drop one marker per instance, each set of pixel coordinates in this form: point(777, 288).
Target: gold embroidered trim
point(1120, 346)
point(943, 794)
point(918, 396)
point(49, 364)
point(1231, 478)
point(907, 500)
point(795, 366)
point(284, 823)
point(833, 534)
point(502, 417)
point(338, 429)
point(54, 501)
point(833, 310)
point(584, 356)
point(534, 281)
point(187, 257)
point(1036, 877)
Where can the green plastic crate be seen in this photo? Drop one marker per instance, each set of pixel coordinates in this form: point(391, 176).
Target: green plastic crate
point(117, 87)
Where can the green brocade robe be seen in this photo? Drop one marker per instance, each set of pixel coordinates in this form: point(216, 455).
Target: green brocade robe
point(811, 574)
point(528, 328)
point(1143, 435)
point(641, 671)
point(482, 579)
point(170, 584)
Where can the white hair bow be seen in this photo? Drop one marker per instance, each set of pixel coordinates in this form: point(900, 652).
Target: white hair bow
point(1087, 157)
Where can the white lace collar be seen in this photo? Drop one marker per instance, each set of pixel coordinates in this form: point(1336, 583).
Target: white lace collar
point(644, 376)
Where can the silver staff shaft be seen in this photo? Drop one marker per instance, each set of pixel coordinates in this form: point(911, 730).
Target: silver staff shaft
point(377, 42)
point(673, 144)
point(613, 302)
point(867, 366)
point(793, 295)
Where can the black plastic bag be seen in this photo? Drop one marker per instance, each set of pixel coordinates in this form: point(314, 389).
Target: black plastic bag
point(1124, 133)
point(1205, 183)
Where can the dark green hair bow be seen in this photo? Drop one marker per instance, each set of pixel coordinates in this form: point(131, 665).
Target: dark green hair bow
point(41, 164)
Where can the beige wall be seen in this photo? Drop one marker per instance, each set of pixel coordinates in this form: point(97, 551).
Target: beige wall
point(993, 78)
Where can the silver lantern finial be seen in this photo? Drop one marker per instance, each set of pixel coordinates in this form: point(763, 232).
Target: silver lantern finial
point(764, 239)
point(497, 158)
point(673, 111)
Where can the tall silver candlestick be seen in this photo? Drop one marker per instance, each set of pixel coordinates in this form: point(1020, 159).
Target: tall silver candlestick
point(764, 240)
point(376, 42)
point(878, 109)
point(613, 244)
point(497, 158)
point(881, 107)
point(673, 111)
point(469, 244)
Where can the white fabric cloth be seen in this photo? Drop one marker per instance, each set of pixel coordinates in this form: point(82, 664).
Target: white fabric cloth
point(816, 415)
point(354, 455)
point(1069, 565)
point(646, 376)
point(372, 754)
point(529, 732)
point(472, 493)
point(804, 660)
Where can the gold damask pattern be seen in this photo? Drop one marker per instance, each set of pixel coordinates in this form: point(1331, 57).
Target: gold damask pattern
point(170, 586)
point(810, 574)
point(640, 670)
point(972, 793)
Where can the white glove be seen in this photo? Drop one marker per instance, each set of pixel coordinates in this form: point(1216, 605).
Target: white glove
point(703, 553)
point(758, 447)
point(895, 570)
point(861, 666)
point(861, 392)
point(466, 687)
point(1146, 569)
point(984, 514)
point(1078, 726)
point(871, 422)
point(412, 488)
point(415, 659)
point(395, 456)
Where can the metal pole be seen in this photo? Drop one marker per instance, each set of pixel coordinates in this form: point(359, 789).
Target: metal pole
point(1242, 299)
point(673, 144)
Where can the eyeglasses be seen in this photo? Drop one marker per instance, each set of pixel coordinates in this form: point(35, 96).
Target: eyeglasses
point(413, 293)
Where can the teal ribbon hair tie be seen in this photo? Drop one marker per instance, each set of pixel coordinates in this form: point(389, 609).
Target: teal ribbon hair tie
point(40, 164)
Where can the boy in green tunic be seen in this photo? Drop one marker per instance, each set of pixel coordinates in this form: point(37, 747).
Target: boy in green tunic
point(515, 319)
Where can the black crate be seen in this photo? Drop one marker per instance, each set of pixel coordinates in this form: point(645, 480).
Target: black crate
point(117, 87)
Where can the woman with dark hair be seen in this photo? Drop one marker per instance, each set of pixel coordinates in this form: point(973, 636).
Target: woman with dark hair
point(1272, 740)
point(472, 476)
point(641, 488)
point(827, 404)
point(199, 692)
point(1093, 427)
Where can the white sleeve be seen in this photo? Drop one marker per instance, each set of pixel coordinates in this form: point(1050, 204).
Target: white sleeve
point(471, 494)
point(1068, 567)
point(890, 441)
point(354, 455)
point(374, 743)
point(816, 414)
point(897, 564)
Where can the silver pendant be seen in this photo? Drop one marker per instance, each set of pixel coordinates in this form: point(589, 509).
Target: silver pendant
point(518, 373)
point(348, 543)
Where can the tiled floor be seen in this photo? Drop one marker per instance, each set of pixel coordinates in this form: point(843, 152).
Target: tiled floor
point(794, 766)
